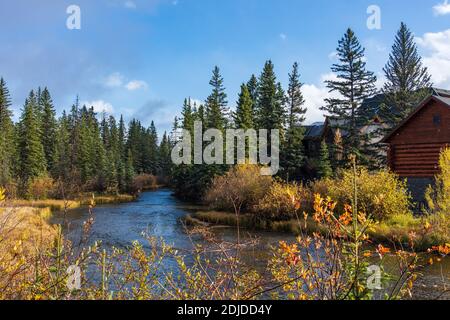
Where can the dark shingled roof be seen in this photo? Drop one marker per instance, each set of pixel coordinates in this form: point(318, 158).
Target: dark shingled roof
point(445, 100)
point(314, 131)
point(441, 92)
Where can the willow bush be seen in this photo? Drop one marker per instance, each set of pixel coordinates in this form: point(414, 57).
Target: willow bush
point(283, 200)
point(380, 194)
point(438, 199)
point(242, 184)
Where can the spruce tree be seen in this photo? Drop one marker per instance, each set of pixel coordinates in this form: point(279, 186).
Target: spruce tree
point(243, 117)
point(7, 137)
point(129, 172)
point(87, 159)
point(293, 152)
point(31, 151)
point(324, 168)
point(216, 103)
point(61, 168)
point(152, 155)
point(407, 80)
point(165, 151)
point(122, 156)
point(74, 122)
point(104, 130)
point(270, 111)
point(134, 145)
point(353, 85)
point(188, 116)
point(48, 128)
point(114, 157)
point(252, 86)
point(122, 138)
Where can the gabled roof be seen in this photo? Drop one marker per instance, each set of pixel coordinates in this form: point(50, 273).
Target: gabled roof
point(314, 131)
point(441, 92)
point(440, 98)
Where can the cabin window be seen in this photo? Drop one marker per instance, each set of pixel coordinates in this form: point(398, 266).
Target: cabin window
point(437, 119)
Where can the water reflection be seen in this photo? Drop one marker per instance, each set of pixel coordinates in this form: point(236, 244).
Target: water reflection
point(158, 214)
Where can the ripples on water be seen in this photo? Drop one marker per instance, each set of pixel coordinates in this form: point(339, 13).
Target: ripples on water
point(158, 214)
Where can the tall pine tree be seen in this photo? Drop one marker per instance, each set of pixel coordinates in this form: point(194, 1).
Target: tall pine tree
point(62, 150)
point(31, 151)
point(252, 86)
point(324, 167)
point(407, 80)
point(270, 108)
point(293, 151)
point(353, 85)
point(216, 103)
point(243, 117)
point(48, 128)
point(7, 137)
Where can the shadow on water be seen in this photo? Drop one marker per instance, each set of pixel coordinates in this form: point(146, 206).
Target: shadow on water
point(158, 214)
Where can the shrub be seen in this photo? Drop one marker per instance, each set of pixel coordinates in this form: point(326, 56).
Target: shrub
point(144, 182)
point(42, 188)
point(283, 201)
point(243, 185)
point(381, 194)
point(438, 198)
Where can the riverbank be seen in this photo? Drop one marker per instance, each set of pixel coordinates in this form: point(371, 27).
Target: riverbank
point(55, 205)
point(158, 214)
point(395, 232)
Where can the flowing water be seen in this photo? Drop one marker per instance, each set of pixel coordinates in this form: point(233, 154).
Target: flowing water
point(158, 214)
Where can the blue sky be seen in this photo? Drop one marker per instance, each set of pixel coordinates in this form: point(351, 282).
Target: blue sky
point(141, 58)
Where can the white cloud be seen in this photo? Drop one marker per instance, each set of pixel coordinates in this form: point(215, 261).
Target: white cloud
point(130, 4)
point(136, 85)
point(114, 80)
point(381, 80)
point(315, 95)
point(314, 99)
point(330, 76)
point(442, 9)
point(100, 106)
point(117, 80)
point(437, 59)
point(333, 55)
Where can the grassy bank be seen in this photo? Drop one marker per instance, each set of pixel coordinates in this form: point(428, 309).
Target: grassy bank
point(59, 205)
point(25, 227)
point(395, 231)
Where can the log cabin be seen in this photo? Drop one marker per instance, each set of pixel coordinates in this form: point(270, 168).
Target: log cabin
point(415, 143)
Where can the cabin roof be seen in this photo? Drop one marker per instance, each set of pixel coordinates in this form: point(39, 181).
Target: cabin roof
point(440, 96)
point(445, 100)
point(314, 131)
point(441, 92)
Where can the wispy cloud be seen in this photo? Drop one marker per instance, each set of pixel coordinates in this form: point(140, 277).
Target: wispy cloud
point(130, 4)
point(442, 9)
point(437, 44)
point(114, 80)
point(283, 36)
point(136, 85)
point(117, 80)
point(333, 55)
